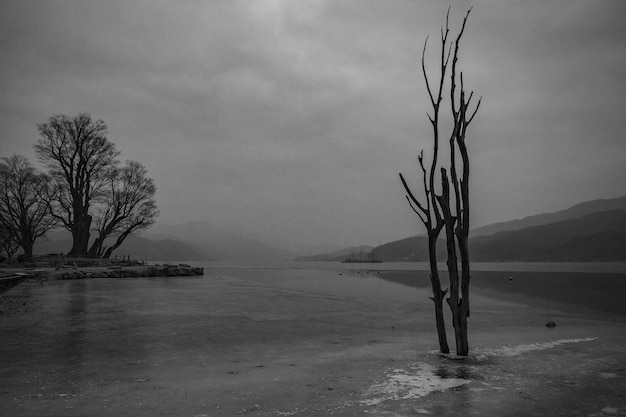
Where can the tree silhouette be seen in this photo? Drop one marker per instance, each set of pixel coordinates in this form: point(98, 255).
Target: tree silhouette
point(8, 245)
point(128, 206)
point(80, 160)
point(457, 216)
point(437, 212)
point(24, 213)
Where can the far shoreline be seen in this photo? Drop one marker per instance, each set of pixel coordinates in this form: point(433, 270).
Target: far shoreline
point(601, 267)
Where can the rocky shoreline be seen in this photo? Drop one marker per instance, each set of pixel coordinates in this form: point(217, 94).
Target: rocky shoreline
point(135, 271)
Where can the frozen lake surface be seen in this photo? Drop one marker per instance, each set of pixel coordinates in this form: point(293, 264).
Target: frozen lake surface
point(314, 339)
point(573, 287)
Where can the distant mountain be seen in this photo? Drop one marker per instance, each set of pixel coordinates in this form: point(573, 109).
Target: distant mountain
point(194, 241)
point(340, 255)
point(217, 244)
point(411, 249)
point(300, 248)
point(138, 247)
point(573, 212)
point(593, 237)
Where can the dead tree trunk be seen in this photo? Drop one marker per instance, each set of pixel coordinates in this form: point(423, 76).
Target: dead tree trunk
point(452, 261)
point(456, 218)
point(429, 213)
point(438, 293)
point(433, 227)
point(461, 233)
point(450, 210)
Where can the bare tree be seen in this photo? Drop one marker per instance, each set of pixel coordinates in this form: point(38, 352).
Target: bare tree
point(8, 244)
point(23, 210)
point(80, 159)
point(429, 213)
point(437, 213)
point(457, 217)
point(128, 204)
point(142, 218)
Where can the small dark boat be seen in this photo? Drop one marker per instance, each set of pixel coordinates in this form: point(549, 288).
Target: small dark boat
point(8, 281)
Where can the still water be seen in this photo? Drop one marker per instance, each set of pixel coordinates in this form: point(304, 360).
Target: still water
point(194, 346)
point(572, 287)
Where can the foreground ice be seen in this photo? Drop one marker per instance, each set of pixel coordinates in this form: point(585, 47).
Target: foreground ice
point(519, 349)
point(422, 379)
point(417, 381)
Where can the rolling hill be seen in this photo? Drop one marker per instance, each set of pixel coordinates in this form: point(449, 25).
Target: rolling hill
point(339, 255)
point(195, 241)
point(599, 236)
point(138, 247)
point(216, 244)
point(592, 237)
point(573, 212)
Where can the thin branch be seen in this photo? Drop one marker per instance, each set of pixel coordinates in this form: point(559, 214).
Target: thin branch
point(475, 110)
point(410, 194)
point(416, 212)
point(430, 94)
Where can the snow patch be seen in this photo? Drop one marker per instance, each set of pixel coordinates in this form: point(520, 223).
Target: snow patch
point(519, 349)
point(418, 381)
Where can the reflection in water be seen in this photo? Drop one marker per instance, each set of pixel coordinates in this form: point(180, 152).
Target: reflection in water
point(568, 290)
point(462, 400)
point(459, 404)
point(99, 320)
point(75, 313)
point(462, 372)
point(352, 283)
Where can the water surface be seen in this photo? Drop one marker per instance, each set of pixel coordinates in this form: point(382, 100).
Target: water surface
point(573, 287)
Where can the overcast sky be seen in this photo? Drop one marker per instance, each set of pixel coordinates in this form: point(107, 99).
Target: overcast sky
point(293, 118)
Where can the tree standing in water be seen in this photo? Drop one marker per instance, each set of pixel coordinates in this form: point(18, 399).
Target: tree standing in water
point(457, 217)
point(438, 212)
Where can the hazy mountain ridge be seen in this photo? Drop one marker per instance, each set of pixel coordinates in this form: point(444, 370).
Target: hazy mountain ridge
point(194, 241)
point(410, 249)
point(339, 255)
point(573, 212)
point(137, 246)
point(592, 230)
point(598, 235)
point(593, 237)
point(217, 244)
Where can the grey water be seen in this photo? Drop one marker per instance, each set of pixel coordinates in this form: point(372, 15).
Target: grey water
point(572, 287)
point(584, 288)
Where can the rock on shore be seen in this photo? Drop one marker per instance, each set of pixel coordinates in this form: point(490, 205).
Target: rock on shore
point(123, 272)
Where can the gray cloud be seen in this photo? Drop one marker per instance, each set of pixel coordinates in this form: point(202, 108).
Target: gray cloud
point(294, 117)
